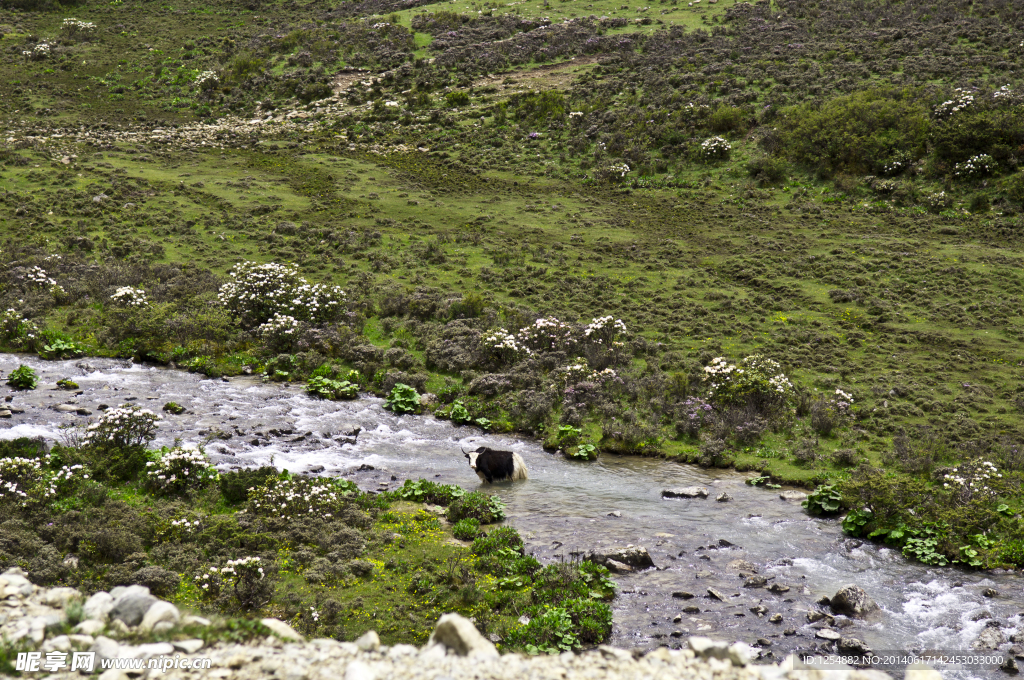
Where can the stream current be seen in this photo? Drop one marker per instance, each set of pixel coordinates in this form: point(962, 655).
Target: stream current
point(565, 508)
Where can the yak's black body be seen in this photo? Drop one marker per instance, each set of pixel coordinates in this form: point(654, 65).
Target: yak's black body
point(492, 465)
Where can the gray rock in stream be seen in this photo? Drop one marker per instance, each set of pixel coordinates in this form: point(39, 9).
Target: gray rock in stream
point(792, 495)
point(633, 556)
point(686, 492)
point(990, 638)
point(853, 601)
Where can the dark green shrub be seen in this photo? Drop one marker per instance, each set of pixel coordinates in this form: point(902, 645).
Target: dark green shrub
point(22, 447)
point(325, 388)
point(502, 537)
point(537, 107)
point(973, 132)
point(1014, 187)
point(1013, 553)
point(767, 170)
point(855, 133)
point(726, 119)
point(161, 582)
point(235, 485)
point(457, 99)
point(466, 529)
point(486, 509)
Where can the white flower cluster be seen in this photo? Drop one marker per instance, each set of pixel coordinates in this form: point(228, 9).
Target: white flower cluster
point(715, 147)
point(16, 475)
point(130, 297)
point(314, 614)
point(256, 292)
point(289, 498)
point(40, 51)
point(575, 114)
point(1003, 93)
point(207, 79)
point(242, 565)
point(620, 169)
point(547, 333)
point(502, 345)
point(604, 329)
point(758, 376)
point(38, 276)
point(123, 427)
point(938, 201)
point(975, 166)
point(382, 24)
point(13, 326)
point(185, 525)
point(972, 477)
point(281, 324)
point(961, 100)
point(579, 371)
point(894, 167)
point(180, 469)
point(73, 25)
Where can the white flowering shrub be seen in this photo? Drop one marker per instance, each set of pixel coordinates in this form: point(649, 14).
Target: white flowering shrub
point(76, 29)
point(24, 480)
point(246, 577)
point(715, 148)
point(207, 80)
point(604, 330)
point(179, 470)
point(546, 335)
point(38, 276)
point(130, 297)
point(962, 99)
point(279, 331)
point(256, 293)
point(502, 347)
point(975, 167)
point(831, 412)
point(295, 497)
point(620, 169)
point(123, 427)
point(1003, 93)
point(39, 52)
point(16, 329)
point(757, 381)
point(579, 371)
point(937, 202)
point(971, 480)
point(182, 527)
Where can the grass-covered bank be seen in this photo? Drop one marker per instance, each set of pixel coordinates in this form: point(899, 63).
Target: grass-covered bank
point(314, 552)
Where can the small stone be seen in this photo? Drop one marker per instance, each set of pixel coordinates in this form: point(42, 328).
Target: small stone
point(716, 594)
point(990, 592)
point(764, 642)
point(789, 631)
point(921, 671)
point(459, 634)
point(755, 582)
point(775, 618)
point(132, 607)
point(760, 610)
point(828, 634)
point(188, 646)
point(853, 646)
point(614, 513)
point(192, 620)
point(682, 595)
point(89, 627)
point(723, 497)
point(742, 566)
point(98, 606)
point(617, 567)
point(369, 642)
point(691, 609)
point(1010, 666)
point(281, 630)
point(160, 612)
point(778, 588)
point(5, 413)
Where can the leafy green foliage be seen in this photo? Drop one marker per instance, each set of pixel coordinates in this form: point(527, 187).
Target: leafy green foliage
point(585, 451)
point(61, 348)
point(824, 500)
point(855, 522)
point(466, 529)
point(325, 388)
point(235, 484)
point(66, 384)
point(480, 506)
point(426, 491)
point(23, 378)
point(403, 399)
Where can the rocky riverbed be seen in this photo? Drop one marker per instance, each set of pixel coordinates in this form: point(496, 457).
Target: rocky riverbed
point(129, 624)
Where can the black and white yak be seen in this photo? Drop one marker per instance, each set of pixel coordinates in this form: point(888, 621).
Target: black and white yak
point(496, 466)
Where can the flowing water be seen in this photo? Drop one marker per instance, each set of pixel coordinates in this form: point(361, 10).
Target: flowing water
point(565, 508)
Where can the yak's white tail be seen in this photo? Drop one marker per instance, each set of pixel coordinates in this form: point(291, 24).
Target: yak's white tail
point(518, 468)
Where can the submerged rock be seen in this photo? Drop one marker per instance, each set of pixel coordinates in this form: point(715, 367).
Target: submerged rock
point(852, 601)
point(633, 556)
point(686, 492)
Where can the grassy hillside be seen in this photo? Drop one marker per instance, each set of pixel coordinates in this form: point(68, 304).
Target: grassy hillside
point(831, 186)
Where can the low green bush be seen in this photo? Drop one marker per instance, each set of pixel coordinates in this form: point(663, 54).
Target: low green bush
point(235, 485)
point(486, 509)
point(466, 529)
point(23, 378)
point(403, 399)
point(825, 500)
